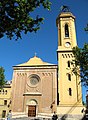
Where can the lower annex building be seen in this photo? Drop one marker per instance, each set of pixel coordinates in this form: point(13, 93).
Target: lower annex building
point(5, 100)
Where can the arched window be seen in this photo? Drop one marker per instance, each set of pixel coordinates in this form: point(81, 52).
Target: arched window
point(5, 102)
point(70, 91)
point(69, 77)
point(68, 63)
point(5, 91)
point(66, 30)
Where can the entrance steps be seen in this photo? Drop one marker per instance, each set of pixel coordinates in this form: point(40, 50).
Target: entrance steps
point(46, 116)
point(59, 118)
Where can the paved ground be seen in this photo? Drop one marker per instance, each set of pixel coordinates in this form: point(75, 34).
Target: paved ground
point(30, 118)
point(65, 117)
point(27, 118)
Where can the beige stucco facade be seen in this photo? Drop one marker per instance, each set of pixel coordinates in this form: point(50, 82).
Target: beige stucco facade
point(5, 100)
point(69, 87)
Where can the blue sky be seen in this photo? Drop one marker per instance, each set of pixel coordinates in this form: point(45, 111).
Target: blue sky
point(44, 42)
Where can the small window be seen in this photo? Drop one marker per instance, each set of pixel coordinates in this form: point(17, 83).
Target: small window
point(68, 63)
point(70, 91)
point(5, 102)
point(3, 91)
point(69, 77)
point(6, 92)
point(66, 30)
point(3, 113)
point(0, 91)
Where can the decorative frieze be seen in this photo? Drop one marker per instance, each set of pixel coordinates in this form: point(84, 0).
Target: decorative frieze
point(67, 55)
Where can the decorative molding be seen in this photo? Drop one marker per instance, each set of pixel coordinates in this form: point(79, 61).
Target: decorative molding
point(67, 56)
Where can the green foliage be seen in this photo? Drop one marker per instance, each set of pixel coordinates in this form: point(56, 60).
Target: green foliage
point(15, 16)
point(2, 77)
point(81, 61)
point(86, 28)
point(84, 103)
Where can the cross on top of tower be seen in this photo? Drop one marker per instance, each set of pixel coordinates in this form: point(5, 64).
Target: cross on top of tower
point(35, 54)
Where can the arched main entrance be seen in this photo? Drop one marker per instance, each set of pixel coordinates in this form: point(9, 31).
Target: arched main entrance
point(32, 108)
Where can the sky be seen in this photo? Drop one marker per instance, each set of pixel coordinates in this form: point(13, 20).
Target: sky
point(44, 42)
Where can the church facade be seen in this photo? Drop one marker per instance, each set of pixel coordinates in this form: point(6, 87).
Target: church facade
point(34, 87)
point(39, 87)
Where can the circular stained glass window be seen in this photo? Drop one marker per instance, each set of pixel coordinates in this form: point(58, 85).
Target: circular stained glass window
point(34, 80)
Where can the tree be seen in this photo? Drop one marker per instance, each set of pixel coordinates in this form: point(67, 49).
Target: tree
point(2, 77)
point(86, 28)
point(81, 61)
point(15, 17)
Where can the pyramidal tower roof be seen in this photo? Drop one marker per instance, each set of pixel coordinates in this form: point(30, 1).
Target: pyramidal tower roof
point(34, 61)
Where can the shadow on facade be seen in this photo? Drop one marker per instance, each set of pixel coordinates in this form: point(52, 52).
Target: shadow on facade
point(67, 115)
point(64, 117)
point(84, 118)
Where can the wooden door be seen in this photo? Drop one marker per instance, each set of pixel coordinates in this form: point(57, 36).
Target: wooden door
point(31, 111)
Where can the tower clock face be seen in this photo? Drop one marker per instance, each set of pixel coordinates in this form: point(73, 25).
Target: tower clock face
point(67, 44)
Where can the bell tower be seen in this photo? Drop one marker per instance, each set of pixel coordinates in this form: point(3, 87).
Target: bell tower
point(66, 31)
point(69, 87)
